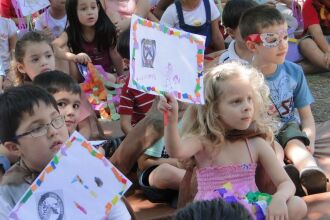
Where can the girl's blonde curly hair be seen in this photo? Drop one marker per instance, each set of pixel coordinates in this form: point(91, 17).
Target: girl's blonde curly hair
point(207, 122)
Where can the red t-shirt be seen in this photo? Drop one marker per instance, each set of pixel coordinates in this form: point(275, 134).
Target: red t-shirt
point(311, 15)
point(134, 102)
point(6, 9)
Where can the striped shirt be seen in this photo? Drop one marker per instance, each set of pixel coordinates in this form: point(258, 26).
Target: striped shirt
point(134, 102)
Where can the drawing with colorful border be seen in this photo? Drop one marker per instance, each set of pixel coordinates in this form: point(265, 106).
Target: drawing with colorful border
point(78, 183)
point(164, 59)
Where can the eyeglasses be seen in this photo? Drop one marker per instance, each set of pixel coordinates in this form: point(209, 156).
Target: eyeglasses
point(269, 40)
point(42, 130)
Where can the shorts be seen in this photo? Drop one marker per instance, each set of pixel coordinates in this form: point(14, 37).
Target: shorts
point(155, 194)
point(290, 131)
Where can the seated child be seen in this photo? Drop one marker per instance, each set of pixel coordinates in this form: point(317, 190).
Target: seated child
point(134, 104)
point(196, 16)
point(160, 176)
point(265, 32)
point(235, 97)
point(34, 55)
point(8, 37)
point(52, 22)
point(316, 45)
point(230, 18)
point(66, 93)
point(32, 127)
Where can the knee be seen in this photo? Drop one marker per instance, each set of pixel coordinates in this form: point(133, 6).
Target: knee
point(159, 177)
point(297, 208)
point(295, 143)
point(166, 176)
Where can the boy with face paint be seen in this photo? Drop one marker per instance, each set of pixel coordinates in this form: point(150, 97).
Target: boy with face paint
point(265, 33)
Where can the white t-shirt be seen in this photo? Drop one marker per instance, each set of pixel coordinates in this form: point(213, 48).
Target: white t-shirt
point(55, 25)
point(7, 30)
point(196, 17)
point(231, 55)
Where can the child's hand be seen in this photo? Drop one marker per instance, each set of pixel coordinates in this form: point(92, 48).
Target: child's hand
point(82, 58)
point(48, 32)
point(170, 105)
point(277, 209)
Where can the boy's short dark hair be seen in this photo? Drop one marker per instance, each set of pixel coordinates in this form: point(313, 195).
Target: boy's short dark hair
point(56, 81)
point(233, 10)
point(259, 17)
point(15, 102)
point(213, 210)
point(123, 44)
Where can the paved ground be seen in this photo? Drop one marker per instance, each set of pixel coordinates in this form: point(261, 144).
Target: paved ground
point(320, 87)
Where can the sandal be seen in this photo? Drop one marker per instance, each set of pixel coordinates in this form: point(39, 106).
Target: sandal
point(314, 180)
point(294, 175)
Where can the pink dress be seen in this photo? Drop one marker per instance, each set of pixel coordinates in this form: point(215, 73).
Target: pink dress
point(233, 183)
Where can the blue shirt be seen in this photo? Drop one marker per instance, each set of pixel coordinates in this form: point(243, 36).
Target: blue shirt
point(289, 91)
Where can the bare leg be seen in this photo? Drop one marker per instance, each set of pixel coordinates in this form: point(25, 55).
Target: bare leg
point(297, 208)
point(166, 176)
point(297, 152)
point(313, 53)
point(309, 68)
point(312, 178)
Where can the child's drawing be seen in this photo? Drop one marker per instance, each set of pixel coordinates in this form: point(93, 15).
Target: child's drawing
point(165, 59)
point(82, 195)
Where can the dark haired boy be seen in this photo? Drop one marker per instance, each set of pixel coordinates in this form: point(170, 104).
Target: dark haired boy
point(134, 104)
point(32, 127)
point(265, 32)
point(66, 93)
point(231, 14)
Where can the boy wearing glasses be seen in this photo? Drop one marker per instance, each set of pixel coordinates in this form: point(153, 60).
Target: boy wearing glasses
point(32, 127)
point(265, 33)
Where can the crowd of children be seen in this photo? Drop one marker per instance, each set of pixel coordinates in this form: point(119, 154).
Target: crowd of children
point(256, 113)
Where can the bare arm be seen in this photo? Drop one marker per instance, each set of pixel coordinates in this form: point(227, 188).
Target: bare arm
point(318, 36)
point(125, 123)
point(146, 161)
point(60, 44)
point(175, 146)
point(217, 38)
point(308, 124)
point(285, 189)
point(117, 61)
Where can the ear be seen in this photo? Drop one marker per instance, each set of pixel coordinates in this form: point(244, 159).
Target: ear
point(20, 67)
point(252, 46)
point(12, 147)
